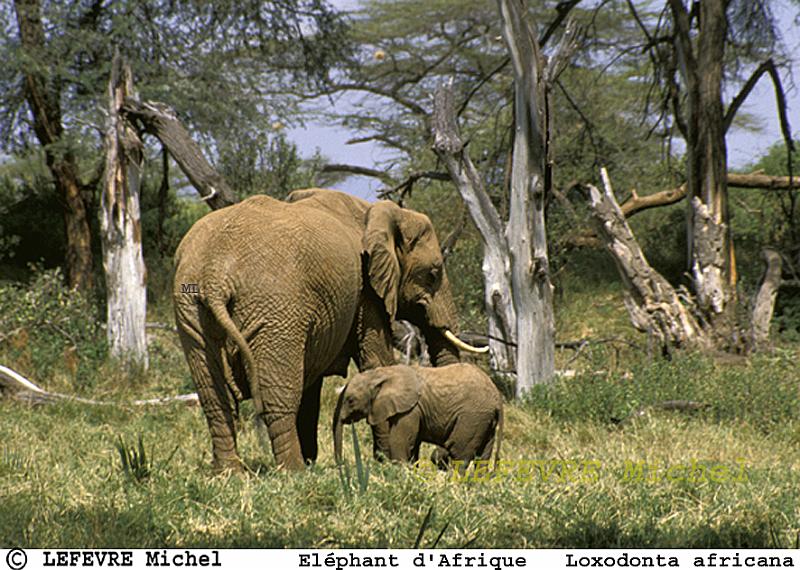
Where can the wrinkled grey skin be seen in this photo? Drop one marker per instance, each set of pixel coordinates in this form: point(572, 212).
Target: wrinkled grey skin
point(289, 292)
point(455, 407)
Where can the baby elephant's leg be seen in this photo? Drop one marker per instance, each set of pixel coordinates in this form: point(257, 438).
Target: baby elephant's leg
point(380, 441)
point(468, 440)
point(486, 452)
point(404, 437)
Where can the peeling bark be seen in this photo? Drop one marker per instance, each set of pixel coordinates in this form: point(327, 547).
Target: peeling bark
point(709, 261)
point(496, 265)
point(653, 304)
point(120, 226)
point(700, 61)
point(517, 288)
point(531, 290)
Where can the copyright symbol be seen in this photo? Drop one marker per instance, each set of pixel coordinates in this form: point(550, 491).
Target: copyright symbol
point(16, 559)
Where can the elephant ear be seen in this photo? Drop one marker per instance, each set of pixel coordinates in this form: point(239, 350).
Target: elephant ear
point(397, 390)
point(381, 239)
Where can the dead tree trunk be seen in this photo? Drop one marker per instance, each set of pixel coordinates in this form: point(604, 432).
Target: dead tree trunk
point(526, 233)
point(161, 121)
point(517, 288)
point(653, 304)
point(764, 304)
point(120, 224)
point(711, 250)
point(500, 310)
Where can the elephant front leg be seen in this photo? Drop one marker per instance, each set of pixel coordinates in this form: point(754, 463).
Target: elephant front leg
point(380, 441)
point(404, 436)
point(307, 420)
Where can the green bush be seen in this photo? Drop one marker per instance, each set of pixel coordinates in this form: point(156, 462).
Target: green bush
point(48, 327)
point(762, 392)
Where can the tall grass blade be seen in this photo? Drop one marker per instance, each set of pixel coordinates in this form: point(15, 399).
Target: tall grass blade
point(362, 470)
point(344, 478)
point(424, 526)
point(439, 537)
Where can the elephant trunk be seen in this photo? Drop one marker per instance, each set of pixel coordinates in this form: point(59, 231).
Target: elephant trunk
point(442, 327)
point(441, 351)
point(338, 427)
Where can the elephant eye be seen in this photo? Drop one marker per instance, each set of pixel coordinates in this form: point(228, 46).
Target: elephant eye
point(434, 274)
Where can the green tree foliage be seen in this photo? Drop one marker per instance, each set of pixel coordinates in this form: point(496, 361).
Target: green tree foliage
point(224, 66)
point(45, 328)
point(408, 47)
point(271, 164)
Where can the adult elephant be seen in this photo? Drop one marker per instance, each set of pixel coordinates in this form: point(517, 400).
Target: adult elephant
point(271, 296)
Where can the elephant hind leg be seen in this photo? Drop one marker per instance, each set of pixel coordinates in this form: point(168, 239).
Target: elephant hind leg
point(217, 401)
point(485, 452)
point(466, 443)
point(440, 457)
point(307, 420)
point(279, 385)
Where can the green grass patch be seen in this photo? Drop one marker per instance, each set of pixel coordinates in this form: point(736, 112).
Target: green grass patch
point(62, 480)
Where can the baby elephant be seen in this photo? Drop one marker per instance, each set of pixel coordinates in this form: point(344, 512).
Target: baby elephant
point(456, 407)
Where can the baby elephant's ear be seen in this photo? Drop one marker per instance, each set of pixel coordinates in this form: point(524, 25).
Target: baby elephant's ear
point(398, 391)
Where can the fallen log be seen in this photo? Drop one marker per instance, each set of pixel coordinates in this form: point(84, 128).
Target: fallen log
point(15, 386)
point(668, 405)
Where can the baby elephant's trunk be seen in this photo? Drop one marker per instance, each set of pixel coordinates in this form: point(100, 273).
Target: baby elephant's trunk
point(338, 426)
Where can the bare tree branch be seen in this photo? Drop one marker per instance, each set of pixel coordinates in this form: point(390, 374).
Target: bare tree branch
point(653, 304)
point(388, 93)
point(407, 185)
point(449, 147)
point(160, 120)
point(563, 9)
point(381, 175)
point(563, 54)
point(385, 140)
point(484, 80)
point(765, 67)
point(17, 387)
point(764, 305)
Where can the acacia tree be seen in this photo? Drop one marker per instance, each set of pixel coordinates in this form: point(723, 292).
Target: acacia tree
point(220, 64)
point(410, 48)
point(43, 94)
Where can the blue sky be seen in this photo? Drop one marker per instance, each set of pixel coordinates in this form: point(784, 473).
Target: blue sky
point(744, 146)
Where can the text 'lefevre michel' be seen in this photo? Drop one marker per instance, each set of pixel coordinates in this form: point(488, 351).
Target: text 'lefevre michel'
point(154, 558)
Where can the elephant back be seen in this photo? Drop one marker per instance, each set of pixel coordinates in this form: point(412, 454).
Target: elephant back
point(348, 209)
point(454, 390)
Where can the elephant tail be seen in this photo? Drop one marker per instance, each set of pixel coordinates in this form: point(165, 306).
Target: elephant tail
point(500, 422)
point(220, 312)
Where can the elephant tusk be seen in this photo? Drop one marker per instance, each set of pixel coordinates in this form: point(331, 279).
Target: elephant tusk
point(460, 344)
